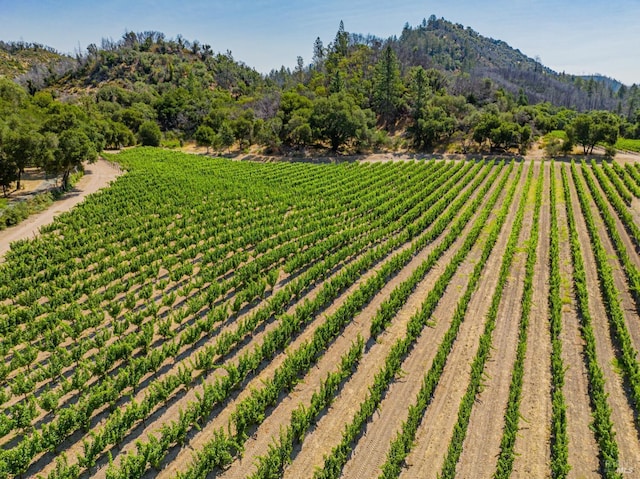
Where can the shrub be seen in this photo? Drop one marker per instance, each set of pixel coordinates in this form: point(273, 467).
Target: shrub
point(149, 134)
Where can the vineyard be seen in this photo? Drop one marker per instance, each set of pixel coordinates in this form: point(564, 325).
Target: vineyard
point(628, 144)
point(213, 318)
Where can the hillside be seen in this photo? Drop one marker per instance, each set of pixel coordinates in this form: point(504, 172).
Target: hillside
point(32, 64)
point(437, 85)
point(468, 56)
point(451, 47)
point(17, 58)
point(150, 58)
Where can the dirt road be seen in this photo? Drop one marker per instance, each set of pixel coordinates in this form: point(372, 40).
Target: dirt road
point(96, 176)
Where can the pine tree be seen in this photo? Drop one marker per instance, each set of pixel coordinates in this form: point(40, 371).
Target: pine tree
point(341, 43)
point(318, 55)
point(387, 87)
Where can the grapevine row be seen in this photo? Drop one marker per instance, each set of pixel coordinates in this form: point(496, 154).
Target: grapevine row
point(618, 205)
point(602, 424)
point(477, 367)
point(404, 440)
point(307, 311)
point(512, 413)
point(199, 459)
point(559, 438)
point(628, 354)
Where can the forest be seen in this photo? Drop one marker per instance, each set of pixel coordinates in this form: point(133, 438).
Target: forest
point(437, 87)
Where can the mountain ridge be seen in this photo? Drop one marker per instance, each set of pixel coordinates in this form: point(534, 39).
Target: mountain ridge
point(435, 43)
point(438, 83)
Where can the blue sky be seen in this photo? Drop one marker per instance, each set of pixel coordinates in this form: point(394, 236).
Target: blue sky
point(590, 36)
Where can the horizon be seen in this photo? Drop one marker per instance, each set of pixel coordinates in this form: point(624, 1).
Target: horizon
point(286, 30)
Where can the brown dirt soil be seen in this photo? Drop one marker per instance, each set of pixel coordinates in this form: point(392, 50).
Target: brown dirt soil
point(583, 449)
point(318, 373)
point(635, 210)
point(626, 300)
point(425, 460)
point(536, 153)
point(482, 443)
point(180, 397)
point(96, 176)
point(624, 234)
point(371, 450)
point(344, 407)
point(30, 181)
point(622, 415)
point(434, 434)
point(168, 414)
point(532, 442)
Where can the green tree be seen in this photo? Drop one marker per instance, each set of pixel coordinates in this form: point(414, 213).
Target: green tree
point(418, 90)
point(243, 129)
point(149, 134)
point(116, 134)
point(431, 126)
point(338, 119)
point(502, 132)
point(522, 98)
point(8, 170)
point(205, 136)
point(341, 43)
point(295, 110)
point(137, 114)
point(318, 55)
point(12, 95)
point(524, 138)
point(338, 83)
point(387, 87)
point(227, 136)
point(580, 132)
point(299, 131)
point(589, 129)
point(171, 108)
point(268, 133)
point(506, 135)
point(24, 147)
point(483, 129)
point(436, 80)
point(74, 147)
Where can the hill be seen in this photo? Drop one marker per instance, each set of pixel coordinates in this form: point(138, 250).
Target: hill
point(32, 63)
point(436, 85)
point(452, 47)
point(468, 56)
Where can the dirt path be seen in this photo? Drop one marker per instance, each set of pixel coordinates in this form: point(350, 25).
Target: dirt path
point(583, 449)
point(371, 450)
point(434, 434)
point(535, 153)
point(622, 415)
point(96, 176)
point(481, 446)
point(532, 442)
point(258, 445)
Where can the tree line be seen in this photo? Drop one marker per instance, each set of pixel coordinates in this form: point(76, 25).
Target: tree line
point(38, 131)
point(358, 94)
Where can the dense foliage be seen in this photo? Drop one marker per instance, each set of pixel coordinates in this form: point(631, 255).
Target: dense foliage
point(57, 137)
point(437, 85)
